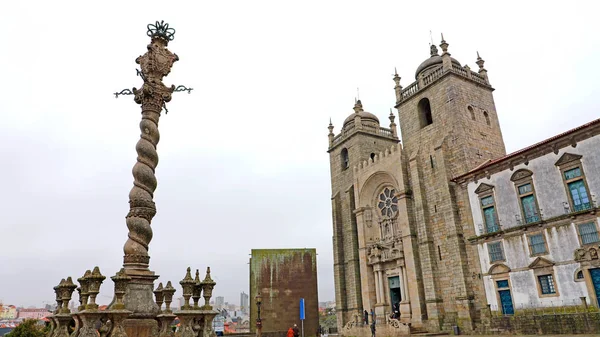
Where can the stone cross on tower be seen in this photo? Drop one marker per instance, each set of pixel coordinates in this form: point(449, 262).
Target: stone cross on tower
point(155, 64)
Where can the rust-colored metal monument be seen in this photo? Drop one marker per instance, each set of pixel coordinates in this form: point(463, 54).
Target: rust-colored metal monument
point(137, 308)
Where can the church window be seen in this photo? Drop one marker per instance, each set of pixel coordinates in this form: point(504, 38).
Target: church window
point(588, 233)
point(425, 116)
point(573, 176)
point(547, 284)
point(495, 251)
point(537, 244)
point(470, 108)
point(373, 156)
point(388, 202)
point(487, 117)
point(345, 159)
point(523, 180)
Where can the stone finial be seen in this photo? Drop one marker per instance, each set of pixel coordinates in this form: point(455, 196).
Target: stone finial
point(95, 281)
point(330, 135)
point(188, 288)
point(67, 289)
point(197, 290)
point(168, 292)
point(397, 87)
point(392, 124)
point(85, 289)
point(159, 295)
point(57, 292)
point(358, 106)
point(207, 287)
point(444, 45)
point(482, 70)
point(121, 279)
point(480, 62)
point(433, 51)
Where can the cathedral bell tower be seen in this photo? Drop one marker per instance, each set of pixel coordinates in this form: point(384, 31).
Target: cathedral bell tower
point(449, 126)
point(360, 139)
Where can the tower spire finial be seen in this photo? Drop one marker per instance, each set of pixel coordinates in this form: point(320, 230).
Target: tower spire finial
point(444, 45)
point(480, 62)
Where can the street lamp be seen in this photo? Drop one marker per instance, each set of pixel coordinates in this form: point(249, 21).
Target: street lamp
point(258, 299)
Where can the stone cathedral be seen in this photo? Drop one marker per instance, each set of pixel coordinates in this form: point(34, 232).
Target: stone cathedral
point(399, 222)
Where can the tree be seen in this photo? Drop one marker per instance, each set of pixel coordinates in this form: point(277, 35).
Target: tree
point(28, 328)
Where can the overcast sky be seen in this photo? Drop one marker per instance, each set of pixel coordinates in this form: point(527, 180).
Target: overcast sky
point(243, 160)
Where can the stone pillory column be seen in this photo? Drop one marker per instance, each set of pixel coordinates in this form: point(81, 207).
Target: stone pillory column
point(155, 64)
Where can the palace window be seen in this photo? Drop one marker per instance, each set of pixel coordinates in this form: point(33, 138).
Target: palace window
point(577, 189)
point(388, 202)
point(588, 232)
point(526, 193)
point(571, 169)
point(547, 284)
point(495, 251)
point(488, 207)
point(537, 244)
point(489, 213)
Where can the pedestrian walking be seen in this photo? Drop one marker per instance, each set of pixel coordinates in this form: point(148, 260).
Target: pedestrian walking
point(296, 331)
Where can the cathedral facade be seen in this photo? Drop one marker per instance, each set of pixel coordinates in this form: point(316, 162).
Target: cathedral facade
point(445, 229)
point(399, 221)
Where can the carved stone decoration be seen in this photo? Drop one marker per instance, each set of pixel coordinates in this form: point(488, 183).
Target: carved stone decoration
point(155, 63)
point(188, 288)
point(121, 279)
point(586, 254)
point(85, 289)
point(168, 293)
point(164, 325)
point(520, 174)
point(197, 290)
point(483, 187)
point(95, 280)
point(566, 158)
point(207, 287)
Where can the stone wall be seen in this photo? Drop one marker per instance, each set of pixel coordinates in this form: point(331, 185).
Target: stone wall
point(283, 276)
point(548, 324)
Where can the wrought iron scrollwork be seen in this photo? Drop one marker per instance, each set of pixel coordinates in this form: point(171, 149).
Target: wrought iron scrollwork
point(123, 92)
point(162, 30)
point(183, 88)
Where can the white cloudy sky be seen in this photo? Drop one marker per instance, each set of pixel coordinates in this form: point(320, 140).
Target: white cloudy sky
point(243, 160)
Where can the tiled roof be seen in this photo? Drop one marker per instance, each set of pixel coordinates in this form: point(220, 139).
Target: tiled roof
point(523, 150)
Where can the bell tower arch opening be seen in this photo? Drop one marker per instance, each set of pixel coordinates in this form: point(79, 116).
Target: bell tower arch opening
point(424, 109)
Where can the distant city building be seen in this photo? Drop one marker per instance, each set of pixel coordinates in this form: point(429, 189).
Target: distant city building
point(8, 312)
point(244, 302)
point(33, 313)
point(283, 277)
point(219, 301)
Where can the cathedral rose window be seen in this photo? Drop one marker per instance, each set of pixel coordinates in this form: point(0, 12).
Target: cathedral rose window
point(388, 202)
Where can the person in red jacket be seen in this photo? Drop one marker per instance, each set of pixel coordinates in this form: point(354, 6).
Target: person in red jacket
point(290, 332)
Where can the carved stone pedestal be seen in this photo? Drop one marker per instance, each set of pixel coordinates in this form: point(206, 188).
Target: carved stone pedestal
point(186, 323)
point(118, 317)
point(164, 325)
point(62, 325)
point(89, 319)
